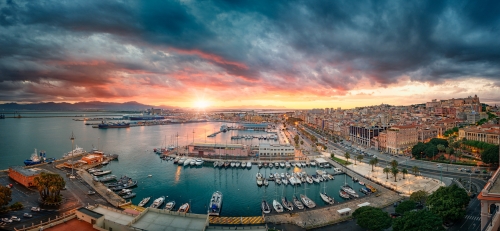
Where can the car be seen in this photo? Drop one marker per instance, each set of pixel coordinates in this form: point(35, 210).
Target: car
point(448, 224)
point(14, 218)
point(27, 215)
point(484, 171)
point(35, 209)
point(90, 193)
point(394, 215)
point(468, 170)
point(438, 165)
point(477, 171)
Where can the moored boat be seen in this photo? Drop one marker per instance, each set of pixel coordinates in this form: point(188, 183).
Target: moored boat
point(184, 208)
point(277, 206)
point(344, 194)
point(307, 202)
point(265, 207)
point(102, 173)
point(199, 162)
point(144, 201)
point(297, 203)
point(249, 164)
point(170, 205)
point(327, 199)
point(129, 195)
point(215, 204)
point(215, 164)
point(187, 162)
point(237, 164)
point(266, 182)
point(35, 158)
point(286, 204)
point(76, 151)
point(157, 202)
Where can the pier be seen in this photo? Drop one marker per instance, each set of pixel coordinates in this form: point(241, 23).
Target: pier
point(257, 220)
point(214, 134)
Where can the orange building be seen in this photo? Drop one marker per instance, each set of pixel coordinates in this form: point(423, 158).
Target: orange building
point(93, 158)
point(25, 176)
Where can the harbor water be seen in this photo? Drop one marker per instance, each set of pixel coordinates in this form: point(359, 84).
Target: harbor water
point(241, 195)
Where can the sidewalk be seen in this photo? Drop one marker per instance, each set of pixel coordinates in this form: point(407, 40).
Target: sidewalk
point(405, 187)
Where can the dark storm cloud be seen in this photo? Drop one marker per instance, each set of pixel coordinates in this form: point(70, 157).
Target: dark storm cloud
point(309, 44)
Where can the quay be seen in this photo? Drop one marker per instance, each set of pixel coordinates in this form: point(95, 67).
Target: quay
point(257, 220)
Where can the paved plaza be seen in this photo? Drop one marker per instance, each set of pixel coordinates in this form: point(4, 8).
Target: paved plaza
point(405, 187)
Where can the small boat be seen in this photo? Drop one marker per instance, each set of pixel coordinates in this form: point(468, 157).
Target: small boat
point(271, 176)
point(233, 164)
point(105, 179)
point(249, 164)
point(307, 202)
point(282, 164)
point(258, 175)
point(327, 199)
point(144, 201)
point(158, 202)
point(176, 160)
point(343, 194)
point(277, 165)
point(333, 178)
point(199, 162)
point(278, 181)
point(243, 164)
point(349, 190)
point(297, 203)
point(309, 180)
point(277, 206)
point(237, 164)
point(221, 164)
point(105, 162)
point(184, 208)
point(271, 165)
point(265, 207)
point(124, 192)
point(102, 173)
point(129, 195)
point(266, 164)
point(293, 164)
point(354, 179)
point(361, 182)
point(215, 204)
point(170, 205)
point(181, 161)
point(226, 164)
point(303, 164)
point(284, 180)
point(215, 164)
point(187, 162)
point(259, 181)
point(364, 190)
point(287, 165)
point(266, 182)
point(313, 164)
point(259, 165)
point(192, 162)
point(150, 175)
point(129, 184)
point(287, 204)
point(315, 178)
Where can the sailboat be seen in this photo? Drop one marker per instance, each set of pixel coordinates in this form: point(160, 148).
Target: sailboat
point(347, 189)
point(277, 206)
point(287, 204)
point(327, 199)
point(307, 202)
point(265, 207)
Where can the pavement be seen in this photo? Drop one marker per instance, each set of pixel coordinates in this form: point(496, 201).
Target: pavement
point(406, 186)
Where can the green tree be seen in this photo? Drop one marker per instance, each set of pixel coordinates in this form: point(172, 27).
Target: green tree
point(49, 186)
point(5, 196)
point(347, 156)
point(301, 142)
point(394, 163)
point(359, 157)
point(490, 155)
point(296, 139)
point(415, 170)
point(372, 163)
point(332, 155)
point(372, 218)
point(449, 203)
point(437, 141)
point(431, 151)
point(418, 221)
point(419, 196)
point(440, 147)
point(387, 171)
point(404, 172)
point(376, 161)
point(406, 206)
point(418, 150)
point(394, 172)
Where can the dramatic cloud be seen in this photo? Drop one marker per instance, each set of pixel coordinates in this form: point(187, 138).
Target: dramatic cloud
point(284, 53)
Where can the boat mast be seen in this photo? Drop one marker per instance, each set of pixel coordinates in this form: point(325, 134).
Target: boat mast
point(72, 152)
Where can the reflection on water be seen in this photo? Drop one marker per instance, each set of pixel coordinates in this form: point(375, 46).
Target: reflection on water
point(177, 174)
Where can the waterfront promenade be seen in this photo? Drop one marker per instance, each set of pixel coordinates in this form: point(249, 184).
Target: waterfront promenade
point(405, 187)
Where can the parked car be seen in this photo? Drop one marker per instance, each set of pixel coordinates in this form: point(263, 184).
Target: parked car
point(14, 218)
point(90, 193)
point(27, 215)
point(35, 209)
point(468, 170)
point(477, 171)
point(394, 215)
point(6, 220)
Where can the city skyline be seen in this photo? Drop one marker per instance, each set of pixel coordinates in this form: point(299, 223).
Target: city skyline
point(217, 54)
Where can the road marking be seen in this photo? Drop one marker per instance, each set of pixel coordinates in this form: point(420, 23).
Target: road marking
point(474, 218)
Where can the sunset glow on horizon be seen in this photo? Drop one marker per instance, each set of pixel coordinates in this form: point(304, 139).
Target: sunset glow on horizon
point(262, 54)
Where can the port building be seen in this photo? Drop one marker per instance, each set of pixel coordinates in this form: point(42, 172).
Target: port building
point(25, 176)
point(254, 127)
point(213, 150)
point(276, 151)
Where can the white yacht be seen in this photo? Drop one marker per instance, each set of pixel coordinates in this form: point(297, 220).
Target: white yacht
point(277, 206)
point(144, 201)
point(307, 202)
point(158, 202)
point(76, 151)
point(192, 162)
point(181, 161)
point(215, 204)
point(199, 162)
point(187, 162)
point(249, 164)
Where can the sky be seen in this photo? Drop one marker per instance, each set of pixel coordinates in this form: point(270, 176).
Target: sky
point(283, 54)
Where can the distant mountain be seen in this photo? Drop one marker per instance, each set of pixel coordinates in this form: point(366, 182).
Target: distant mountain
point(80, 106)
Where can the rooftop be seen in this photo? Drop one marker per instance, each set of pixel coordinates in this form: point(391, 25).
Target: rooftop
point(114, 215)
point(90, 213)
point(28, 171)
point(73, 224)
point(154, 220)
point(218, 145)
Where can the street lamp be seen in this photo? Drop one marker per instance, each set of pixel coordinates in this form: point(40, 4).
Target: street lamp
point(470, 182)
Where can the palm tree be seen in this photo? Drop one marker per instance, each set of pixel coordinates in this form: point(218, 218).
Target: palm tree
point(386, 171)
point(415, 170)
point(394, 163)
point(376, 161)
point(359, 157)
point(395, 172)
point(347, 156)
point(49, 186)
point(404, 172)
point(440, 147)
point(372, 163)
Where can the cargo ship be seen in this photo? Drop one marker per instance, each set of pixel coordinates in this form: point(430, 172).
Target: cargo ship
point(114, 125)
point(36, 158)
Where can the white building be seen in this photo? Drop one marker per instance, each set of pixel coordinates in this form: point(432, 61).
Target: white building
point(276, 151)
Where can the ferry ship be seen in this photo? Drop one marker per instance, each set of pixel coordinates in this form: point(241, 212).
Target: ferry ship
point(114, 125)
point(78, 150)
point(35, 158)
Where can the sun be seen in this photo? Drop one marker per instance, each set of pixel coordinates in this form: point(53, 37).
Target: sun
point(201, 104)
